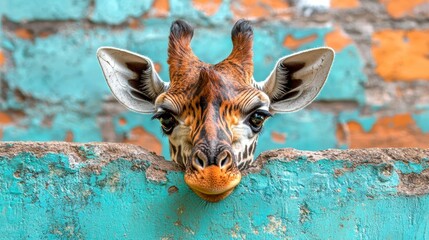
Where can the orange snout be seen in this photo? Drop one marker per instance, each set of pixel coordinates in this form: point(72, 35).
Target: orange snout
point(213, 183)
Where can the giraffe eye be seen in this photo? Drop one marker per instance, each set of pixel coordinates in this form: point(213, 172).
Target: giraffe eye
point(257, 119)
point(168, 122)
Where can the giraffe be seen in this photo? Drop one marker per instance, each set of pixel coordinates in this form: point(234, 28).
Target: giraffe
point(212, 113)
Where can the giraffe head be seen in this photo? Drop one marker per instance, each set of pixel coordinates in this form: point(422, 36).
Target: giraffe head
point(212, 114)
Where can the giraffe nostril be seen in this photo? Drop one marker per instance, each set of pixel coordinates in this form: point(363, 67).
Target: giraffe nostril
point(225, 161)
point(199, 160)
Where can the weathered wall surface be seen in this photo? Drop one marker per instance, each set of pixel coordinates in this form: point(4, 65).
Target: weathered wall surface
point(114, 191)
point(377, 94)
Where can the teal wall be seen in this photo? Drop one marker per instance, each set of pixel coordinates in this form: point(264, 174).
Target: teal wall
point(60, 191)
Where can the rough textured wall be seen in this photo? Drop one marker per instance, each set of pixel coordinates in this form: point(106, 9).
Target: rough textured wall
point(113, 191)
point(377, 94)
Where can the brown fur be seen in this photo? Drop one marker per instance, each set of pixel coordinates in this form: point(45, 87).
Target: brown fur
point(240, 62)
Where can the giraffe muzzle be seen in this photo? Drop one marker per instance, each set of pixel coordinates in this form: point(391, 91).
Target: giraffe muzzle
point(223, 160)
point(213, 179)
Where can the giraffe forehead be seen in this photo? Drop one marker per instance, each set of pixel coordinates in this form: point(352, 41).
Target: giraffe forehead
point(213, 88)
point(216, 100)
point(205, 76)
point(203, 93)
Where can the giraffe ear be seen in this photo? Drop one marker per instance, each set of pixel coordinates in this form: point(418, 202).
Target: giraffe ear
point(132, 78)
point(297, 79)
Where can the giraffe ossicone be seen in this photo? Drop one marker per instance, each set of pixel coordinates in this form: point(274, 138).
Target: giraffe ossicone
point(212, 113)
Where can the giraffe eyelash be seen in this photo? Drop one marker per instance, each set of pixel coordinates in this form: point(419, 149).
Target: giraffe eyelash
point(167, 120)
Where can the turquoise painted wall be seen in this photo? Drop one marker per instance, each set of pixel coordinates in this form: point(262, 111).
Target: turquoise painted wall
point(61, 191)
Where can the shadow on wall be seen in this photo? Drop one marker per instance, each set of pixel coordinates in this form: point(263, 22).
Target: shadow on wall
point(377, 94)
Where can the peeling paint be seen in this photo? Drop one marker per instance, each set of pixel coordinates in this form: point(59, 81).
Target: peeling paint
point(289, 194)
point(422, 120)
point(392, 49)
point(115, 12)
point(21, 10)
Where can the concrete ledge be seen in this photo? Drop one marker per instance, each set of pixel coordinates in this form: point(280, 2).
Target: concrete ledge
point(116, 191)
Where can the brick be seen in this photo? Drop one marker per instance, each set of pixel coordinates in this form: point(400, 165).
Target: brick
point(30, 127)
point(309, 130)
point(139, 136)
point(2, 58)
point(35, 76)
point(293, 43)
point(5, 119)
point(401, 55)
point(348, 64)
point(45, 34)
point(398, 8)
point(116, 12)
point(69, 136)
point(122, 121)
point(134, 23)
point(160, 8)
point(24, 33)
point(22, 10)
point(208, 7)
point(250, 9)
point(395, 131)
point(343, 4)
point(337, 40)
point(278, 137)
point(253, 9)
